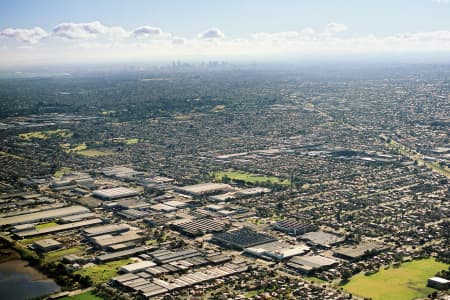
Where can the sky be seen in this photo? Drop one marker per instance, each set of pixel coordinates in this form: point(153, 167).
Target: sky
point(63, 31)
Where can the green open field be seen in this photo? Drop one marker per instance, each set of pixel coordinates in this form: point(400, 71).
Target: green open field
point(62, 171)
point(130, 141)
point(46, 225)
point(407, 282)
point(76, 148)
point(82, 149)
point(249, 177)
point(103, 272)
point(94, 153)
point(43, 135)
point(83, 296)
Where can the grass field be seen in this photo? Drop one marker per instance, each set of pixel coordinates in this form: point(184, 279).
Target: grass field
point(46, 225)
point(249, 177)
point(61, 172)
point(83, 296)
point(104, 272)
point(125, 141)
point(43, 135)
point(82, 149)
point(79, 147)
point(404, 283)
point(94, 153)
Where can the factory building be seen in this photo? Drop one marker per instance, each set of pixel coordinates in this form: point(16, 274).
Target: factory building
point(44, 215)
point(293, 227)
point(46, 245)
point(242, 238)
point(200, 227)
point(439, 283)
point(114, 193)
point(58, 228)
point(311, 263)
point(276, 250)
point(106, 229)
point(206, 189)
point(136, 267)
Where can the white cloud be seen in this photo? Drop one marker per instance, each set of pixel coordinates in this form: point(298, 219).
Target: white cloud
point(80, 31)
point(89, 43)
point(307, 31)
point(211, 33)
point(276, 35)
point(178, 41)
point(441, 1)
point(335, 28)
point(149, 32)
point(30, 36)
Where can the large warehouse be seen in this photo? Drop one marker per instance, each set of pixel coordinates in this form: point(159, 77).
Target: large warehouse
point(44, 215)
point(311, 263)
point(277, 250)
point(200, 227)
point(294, 227)
point(205, 189)
point(114, 193)
point(242, 238)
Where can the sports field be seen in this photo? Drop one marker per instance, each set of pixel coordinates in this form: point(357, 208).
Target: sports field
point(407, 282)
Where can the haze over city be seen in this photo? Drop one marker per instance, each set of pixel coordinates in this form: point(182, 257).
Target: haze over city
point(225, 150)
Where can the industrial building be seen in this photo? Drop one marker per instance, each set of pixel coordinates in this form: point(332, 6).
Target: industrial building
point(439, 283)
point(150, 287)
point(132, 214)
point(114, 193)
point(205, 189)
point(311, 263)
point(123, 254)
point(200, 227)
point(42, 216)
point(322, 239)
point(106, 229)
point(252, 192)
point(58, 228)
point(168, 256)
point(136, 267)
point(353, 253)
point(107, 240)
point(277, 250)
point(46, 245)
point(242, 238)
point(293, 227)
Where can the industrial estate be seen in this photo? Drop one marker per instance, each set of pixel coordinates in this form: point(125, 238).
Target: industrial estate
point(220, 182)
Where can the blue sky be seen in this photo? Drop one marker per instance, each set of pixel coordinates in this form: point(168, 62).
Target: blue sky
point(235, 19)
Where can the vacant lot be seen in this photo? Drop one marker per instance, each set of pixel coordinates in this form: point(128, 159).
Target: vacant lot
point(407, 282)
point(103, 272)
